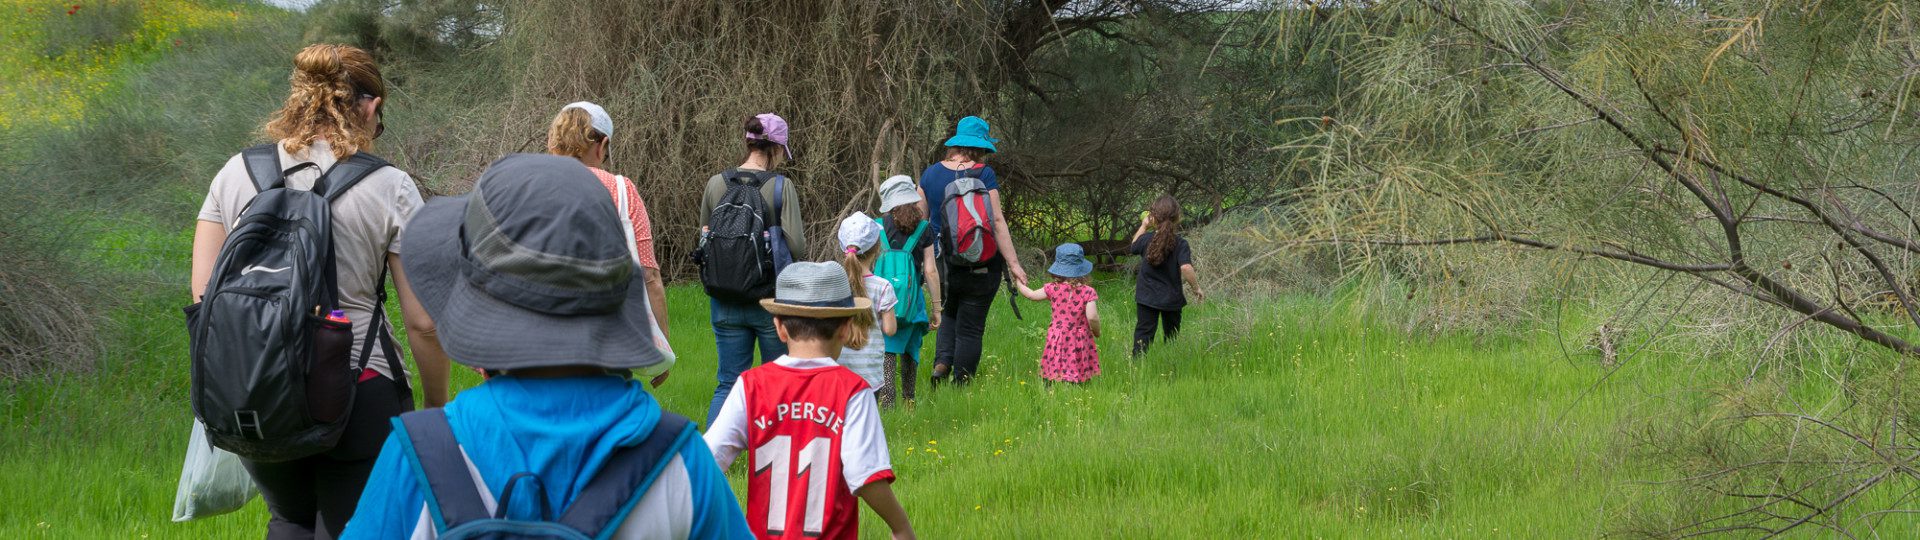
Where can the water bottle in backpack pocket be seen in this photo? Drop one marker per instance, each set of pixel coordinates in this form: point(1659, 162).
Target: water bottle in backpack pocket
point(331, 376)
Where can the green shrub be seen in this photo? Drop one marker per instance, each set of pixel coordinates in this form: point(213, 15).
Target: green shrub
point(84, 27)
point(93, 211)
point(45, 323)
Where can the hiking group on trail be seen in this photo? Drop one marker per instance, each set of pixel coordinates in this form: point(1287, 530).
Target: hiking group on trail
point(545, 278)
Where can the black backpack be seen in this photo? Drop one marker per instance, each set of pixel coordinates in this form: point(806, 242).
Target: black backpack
point(598, 511)
point(740, 251)
point(272, 374)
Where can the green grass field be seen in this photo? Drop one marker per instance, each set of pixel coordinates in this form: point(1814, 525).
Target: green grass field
point(1292, 417)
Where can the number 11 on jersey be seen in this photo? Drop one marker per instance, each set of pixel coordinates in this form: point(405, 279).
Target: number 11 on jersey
point(776, 458)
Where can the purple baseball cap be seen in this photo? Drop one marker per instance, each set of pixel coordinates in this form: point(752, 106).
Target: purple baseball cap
point(774, 128)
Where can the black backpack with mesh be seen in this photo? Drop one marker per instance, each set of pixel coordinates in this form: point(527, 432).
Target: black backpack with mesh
point(737, 253)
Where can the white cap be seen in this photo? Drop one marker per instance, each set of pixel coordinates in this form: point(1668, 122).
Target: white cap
point(860, 232)
point(897, 191)
point(601, 122)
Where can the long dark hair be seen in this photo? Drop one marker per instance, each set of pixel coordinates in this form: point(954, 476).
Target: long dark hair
point(1166, 228)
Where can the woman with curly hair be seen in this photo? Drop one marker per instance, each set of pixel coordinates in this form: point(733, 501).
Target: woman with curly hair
point(332, 113)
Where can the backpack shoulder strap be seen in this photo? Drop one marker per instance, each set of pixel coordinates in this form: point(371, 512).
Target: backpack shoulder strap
point(379, 331)
point(452, 497)
point(348, 173)
point(918, 231)
point(263, 166)
point(620, 186)
point(779, 196)
point(600, 508)
point(912, 240)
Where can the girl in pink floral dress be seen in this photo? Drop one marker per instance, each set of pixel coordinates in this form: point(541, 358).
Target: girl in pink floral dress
point(1071, 355)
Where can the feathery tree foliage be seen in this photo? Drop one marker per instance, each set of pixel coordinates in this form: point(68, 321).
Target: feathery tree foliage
point(1761, 148)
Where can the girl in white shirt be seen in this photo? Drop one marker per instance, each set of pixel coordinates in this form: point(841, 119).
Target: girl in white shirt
point(866, 354)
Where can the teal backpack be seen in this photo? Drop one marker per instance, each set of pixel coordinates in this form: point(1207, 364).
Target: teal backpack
point(899, 267)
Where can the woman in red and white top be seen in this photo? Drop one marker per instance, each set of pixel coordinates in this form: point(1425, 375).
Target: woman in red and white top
point(584, 131)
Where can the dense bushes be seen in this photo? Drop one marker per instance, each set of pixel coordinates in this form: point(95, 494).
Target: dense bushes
point(1652, 161)
point(44, 321)
point(1097, 102)
point(872, 88)
point(868, 86)
point(92, 207)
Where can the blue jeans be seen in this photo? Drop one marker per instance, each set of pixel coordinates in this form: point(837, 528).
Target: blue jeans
point(735, 329)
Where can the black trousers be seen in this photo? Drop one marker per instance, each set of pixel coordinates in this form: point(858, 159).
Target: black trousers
point(1146, 319)
point(963, 320)
point(314, 496)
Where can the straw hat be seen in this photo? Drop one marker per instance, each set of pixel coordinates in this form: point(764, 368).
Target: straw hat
point(816, 290)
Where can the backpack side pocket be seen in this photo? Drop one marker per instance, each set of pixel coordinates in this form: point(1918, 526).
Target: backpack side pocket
point(330, 370)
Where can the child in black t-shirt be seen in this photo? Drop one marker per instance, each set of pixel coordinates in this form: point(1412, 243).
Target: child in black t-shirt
point(1165, 262)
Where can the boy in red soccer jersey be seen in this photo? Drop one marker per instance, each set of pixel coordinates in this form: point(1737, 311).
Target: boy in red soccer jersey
point(810, 428)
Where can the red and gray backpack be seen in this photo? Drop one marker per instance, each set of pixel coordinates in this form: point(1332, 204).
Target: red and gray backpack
point(968, 240)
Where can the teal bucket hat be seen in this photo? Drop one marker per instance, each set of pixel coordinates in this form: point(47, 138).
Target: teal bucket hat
point(972, 133)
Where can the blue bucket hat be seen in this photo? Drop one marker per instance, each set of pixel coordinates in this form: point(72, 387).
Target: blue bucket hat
point(1069, 261)
point(972, 133)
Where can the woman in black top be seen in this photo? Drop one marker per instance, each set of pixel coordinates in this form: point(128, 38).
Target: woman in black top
point(1166, 261)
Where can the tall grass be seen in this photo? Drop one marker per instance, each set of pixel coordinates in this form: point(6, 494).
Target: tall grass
point(1292, 417)
point(1360, 413)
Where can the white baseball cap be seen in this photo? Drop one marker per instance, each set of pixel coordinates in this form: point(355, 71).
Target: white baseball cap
point(601, 122)
point(859, 232)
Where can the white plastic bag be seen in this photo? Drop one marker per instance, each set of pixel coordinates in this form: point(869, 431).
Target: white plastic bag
point(212, 481)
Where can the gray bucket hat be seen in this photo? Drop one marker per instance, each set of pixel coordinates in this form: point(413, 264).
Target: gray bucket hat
point(530, 270)
point(898, 191)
